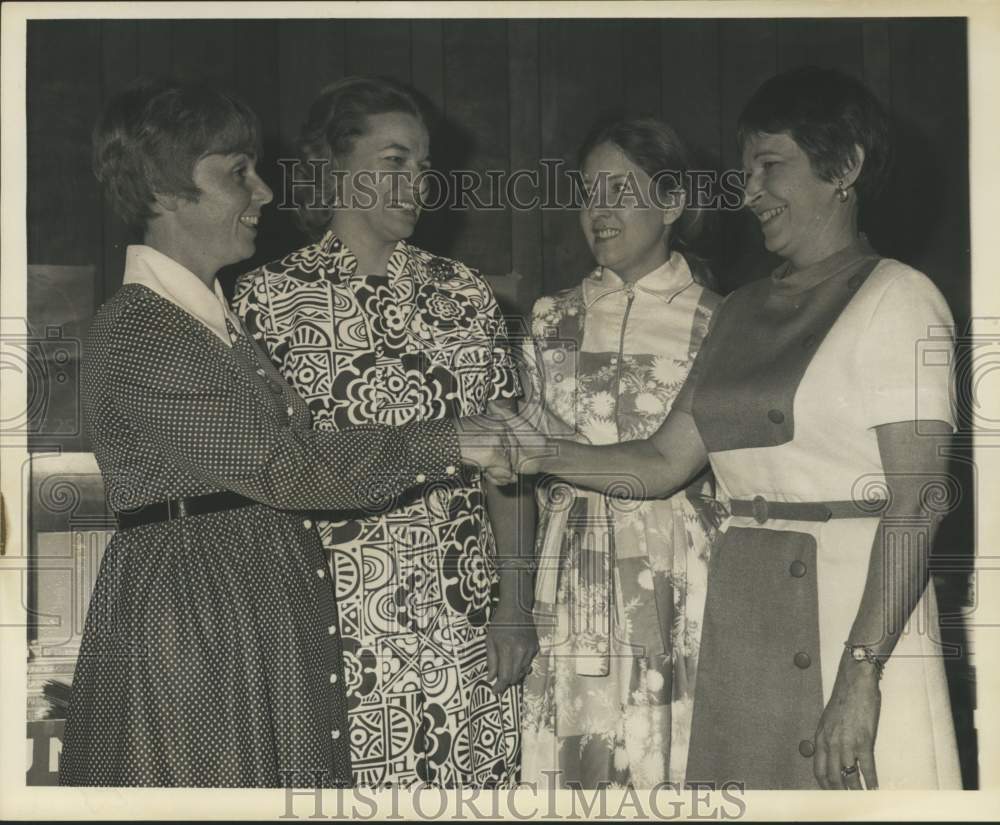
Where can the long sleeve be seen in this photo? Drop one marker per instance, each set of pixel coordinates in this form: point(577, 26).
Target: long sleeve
point(204, 414)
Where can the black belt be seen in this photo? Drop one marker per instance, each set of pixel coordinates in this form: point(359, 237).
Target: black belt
point(180, 508)
point(760, 509)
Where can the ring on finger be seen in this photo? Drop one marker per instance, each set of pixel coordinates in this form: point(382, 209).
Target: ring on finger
point(849, 770)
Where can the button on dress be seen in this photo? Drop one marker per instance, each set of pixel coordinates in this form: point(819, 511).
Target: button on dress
point(794, 377)
point(621, 585)
point(415, 580)
point(206, 657)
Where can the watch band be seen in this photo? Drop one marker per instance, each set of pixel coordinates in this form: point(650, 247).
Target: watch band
point(863, 653)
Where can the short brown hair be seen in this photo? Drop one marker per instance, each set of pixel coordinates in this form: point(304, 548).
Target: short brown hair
point(336, 117)
point(658, 150)
point(151, 135)
point(827, 113)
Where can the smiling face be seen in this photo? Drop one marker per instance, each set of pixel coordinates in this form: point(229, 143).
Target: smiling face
point(800, 215)
point(381, 207)
point(625, 233)
point(220, 227)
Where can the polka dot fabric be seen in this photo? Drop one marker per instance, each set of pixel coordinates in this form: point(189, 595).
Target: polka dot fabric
point(211, 655)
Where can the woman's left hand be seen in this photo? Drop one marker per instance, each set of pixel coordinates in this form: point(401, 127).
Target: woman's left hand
point(845, 737)
point(511, 645)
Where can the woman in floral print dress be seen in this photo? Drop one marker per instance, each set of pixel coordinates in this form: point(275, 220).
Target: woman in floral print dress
point(370, 329)
point(621, 583)
point(209, 656)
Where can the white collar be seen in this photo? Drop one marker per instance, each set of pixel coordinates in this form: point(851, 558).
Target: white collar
point(179, 285)
point(667, 281)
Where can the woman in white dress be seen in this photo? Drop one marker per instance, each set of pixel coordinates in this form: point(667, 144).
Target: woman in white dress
point(821, 399)
point(610, 701)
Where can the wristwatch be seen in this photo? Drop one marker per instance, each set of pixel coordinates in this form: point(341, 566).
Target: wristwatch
point(863, 653)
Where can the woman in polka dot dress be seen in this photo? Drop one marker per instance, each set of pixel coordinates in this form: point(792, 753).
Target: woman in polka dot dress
point(211, 654)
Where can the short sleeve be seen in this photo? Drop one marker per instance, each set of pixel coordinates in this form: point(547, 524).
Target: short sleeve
point(549, 358)
point(709, 310)
point(906, 352)
point(529, 364)
point(504, 381)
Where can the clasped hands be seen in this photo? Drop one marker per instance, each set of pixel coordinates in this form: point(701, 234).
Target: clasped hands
point(502, 444)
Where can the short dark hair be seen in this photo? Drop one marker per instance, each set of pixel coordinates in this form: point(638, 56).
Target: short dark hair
point(827, 113)
point(337, 116)
point(151, 135)
point(658, 150)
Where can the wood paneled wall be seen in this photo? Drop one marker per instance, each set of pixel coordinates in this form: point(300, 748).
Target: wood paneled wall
point(511, 93)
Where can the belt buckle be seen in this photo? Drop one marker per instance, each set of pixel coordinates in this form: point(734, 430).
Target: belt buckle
point(176, 508)
point(760, 513)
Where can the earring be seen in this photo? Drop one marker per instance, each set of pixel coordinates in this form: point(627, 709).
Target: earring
point(841, 191)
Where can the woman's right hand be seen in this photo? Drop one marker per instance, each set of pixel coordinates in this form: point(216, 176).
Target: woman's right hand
point(501, 439)
point(652, 468)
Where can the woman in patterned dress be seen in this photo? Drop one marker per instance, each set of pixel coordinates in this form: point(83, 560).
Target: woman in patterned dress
point(210, 655)
point(621, 585)
point(821, 399)
point(370, 329)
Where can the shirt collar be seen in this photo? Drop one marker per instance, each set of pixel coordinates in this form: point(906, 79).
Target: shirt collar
point(344, 263)
point(666, 282)
point(176, 283)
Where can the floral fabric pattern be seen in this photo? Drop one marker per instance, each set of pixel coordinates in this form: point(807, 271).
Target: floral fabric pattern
point(415, 583)
point(622, 582)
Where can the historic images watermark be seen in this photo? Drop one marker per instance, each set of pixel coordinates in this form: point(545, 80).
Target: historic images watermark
point(49, 364)
point(44, 360)
point(527, 801)
point(550, 186)
point(906, 538)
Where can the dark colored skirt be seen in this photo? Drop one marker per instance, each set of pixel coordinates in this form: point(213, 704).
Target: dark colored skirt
point(211, 658)
point(759, 694)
